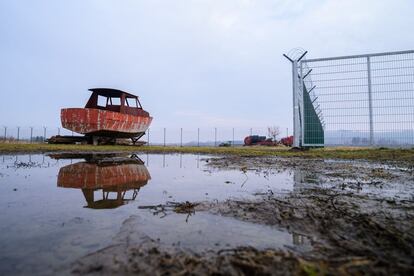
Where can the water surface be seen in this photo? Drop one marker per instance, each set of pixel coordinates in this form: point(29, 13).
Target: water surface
point(55, 211)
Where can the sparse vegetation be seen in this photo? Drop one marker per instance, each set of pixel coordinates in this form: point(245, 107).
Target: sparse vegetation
point(378, 154)
point(273, 132)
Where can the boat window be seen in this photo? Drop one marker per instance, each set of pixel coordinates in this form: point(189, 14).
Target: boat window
point(131, 102)
point(138, 103)
point(102, 101)
point(115, 101)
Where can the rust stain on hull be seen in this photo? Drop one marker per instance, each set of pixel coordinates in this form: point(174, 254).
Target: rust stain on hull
point(92, 121)
point(121, 116)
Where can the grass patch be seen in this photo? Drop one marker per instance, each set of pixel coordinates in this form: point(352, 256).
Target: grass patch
point(383, 154)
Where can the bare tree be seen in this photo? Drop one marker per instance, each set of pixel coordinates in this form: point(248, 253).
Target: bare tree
point(273, 132)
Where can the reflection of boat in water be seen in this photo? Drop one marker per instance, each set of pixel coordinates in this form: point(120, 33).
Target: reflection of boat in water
point(114, 176)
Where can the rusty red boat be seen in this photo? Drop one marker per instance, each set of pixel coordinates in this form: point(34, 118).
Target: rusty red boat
point(109, 113)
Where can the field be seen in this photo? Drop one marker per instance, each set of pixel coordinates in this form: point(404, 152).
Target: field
point(324, 211)
point(378, 154)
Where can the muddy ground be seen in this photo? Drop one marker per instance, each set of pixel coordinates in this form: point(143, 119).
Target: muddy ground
point(357, 215)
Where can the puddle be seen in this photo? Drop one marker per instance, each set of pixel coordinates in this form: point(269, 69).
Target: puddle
point(58, 209)
point(55, 211)
point(203, 231)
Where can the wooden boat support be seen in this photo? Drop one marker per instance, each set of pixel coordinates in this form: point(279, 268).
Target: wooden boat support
point(58, 139)
point(109, 115)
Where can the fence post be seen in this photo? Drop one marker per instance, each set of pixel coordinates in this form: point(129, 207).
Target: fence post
point(148, 137)
point(198, 137)
point(297, 83)
point(44, 134)
point(164, 136)
point(215, 137)
point(5, 134)
point(232, 142)
point(251, 131)
point(371, 123)
point(18, 134)
point(58, 131)
point(181, 137)
point(301, 104)
point(296, 123)
point(31, 134)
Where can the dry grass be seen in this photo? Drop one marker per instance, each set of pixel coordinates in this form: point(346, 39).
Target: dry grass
point(379, 154)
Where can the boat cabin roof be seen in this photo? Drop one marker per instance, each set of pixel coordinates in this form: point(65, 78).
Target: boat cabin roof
point(112, 93)
point(115, 100)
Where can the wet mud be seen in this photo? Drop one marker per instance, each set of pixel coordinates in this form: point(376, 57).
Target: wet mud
point(358, 217)
point(132, 252)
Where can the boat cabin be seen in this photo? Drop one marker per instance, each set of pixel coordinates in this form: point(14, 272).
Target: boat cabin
point(116, 101)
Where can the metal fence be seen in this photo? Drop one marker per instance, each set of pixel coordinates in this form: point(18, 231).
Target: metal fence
point(29, 134)
point(202, 136)
point(362, 100)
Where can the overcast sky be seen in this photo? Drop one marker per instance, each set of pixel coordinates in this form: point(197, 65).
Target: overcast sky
point(193, 63)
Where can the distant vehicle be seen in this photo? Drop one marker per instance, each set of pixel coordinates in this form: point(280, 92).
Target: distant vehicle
point(256, 140)
point(109, 113)
point(287, 141)
point(225, 144)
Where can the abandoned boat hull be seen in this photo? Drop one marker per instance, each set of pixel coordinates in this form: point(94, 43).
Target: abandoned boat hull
point(97, 122)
